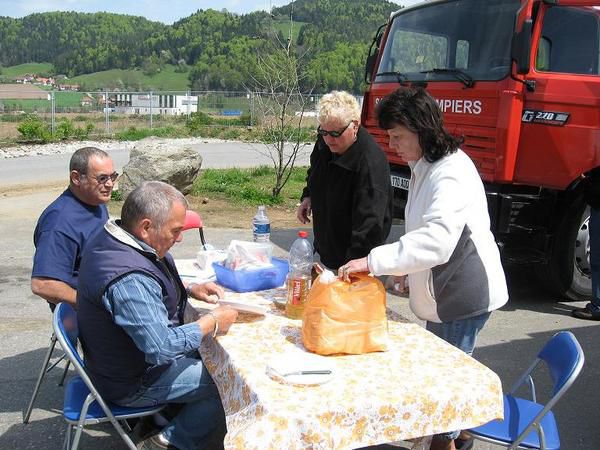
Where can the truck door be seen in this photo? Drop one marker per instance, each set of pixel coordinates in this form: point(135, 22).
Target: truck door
point(560, 133)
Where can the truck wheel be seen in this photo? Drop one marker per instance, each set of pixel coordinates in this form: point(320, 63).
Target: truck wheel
point(568, 271)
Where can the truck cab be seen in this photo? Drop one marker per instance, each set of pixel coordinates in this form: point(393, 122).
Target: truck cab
point(520, 81)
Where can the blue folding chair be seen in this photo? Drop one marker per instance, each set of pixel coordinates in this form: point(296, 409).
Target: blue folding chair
point(527, 423)
point(46, 367)
point(83, 405)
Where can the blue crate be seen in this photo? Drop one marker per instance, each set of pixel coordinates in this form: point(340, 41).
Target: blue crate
point(247, 280)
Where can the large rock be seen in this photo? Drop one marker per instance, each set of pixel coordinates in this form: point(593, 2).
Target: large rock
point(152, 159)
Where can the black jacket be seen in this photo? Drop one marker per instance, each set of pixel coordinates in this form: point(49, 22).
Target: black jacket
point(351, 198)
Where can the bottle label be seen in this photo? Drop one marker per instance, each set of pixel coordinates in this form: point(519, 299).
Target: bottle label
point(262, 232)
point(298, 290)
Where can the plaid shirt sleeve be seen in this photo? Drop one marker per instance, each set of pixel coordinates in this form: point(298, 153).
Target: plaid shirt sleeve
point(135, 304)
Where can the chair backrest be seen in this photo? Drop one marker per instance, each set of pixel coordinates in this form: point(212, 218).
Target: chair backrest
point(192, 220)
point(564, 357)
point(67, 331)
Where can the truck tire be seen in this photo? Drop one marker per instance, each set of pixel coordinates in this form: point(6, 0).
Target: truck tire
point(567, 272)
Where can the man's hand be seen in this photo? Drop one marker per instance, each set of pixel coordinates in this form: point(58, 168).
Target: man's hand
point(207, 292)
point(304, 211)
point(224, 316)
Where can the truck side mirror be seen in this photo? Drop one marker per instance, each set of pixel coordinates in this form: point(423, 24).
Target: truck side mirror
point(369, 66)
point(373, 52)
point(521, 47)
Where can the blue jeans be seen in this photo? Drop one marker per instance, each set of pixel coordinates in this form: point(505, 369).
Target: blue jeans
point(461, 334)
point(594, 228)
point(185, 382)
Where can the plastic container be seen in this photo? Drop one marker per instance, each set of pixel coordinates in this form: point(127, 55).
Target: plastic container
point(299, 276)
point(261, 226)
point(246, 280)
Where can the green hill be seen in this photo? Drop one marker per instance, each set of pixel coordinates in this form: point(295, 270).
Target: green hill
point(211, 50)
point(23, 69)
point(165, 80)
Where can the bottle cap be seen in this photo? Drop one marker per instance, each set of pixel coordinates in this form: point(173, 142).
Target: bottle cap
point(302, 234)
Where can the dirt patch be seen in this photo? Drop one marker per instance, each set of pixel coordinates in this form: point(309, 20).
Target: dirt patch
point(28, 201)
point(20, 190)
point(221, 213)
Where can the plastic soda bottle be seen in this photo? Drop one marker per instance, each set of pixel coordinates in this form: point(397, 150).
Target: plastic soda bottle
point(261, 226)
point(299, 276)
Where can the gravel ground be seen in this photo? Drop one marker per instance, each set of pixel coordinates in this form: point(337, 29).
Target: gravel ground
point(69, 147)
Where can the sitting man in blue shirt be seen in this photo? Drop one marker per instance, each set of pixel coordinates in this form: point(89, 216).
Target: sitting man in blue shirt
point(67, 224)
point(131, 301)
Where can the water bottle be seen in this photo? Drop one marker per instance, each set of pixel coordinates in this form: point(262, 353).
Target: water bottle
point(299, 276)
point(261, 227)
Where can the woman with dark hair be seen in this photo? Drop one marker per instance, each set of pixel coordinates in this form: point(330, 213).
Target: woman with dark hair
point(448, 251)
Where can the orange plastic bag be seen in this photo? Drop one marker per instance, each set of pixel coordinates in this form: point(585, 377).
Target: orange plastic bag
point(342, 317)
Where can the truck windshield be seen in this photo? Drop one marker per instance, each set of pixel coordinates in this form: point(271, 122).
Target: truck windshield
point(436, 41)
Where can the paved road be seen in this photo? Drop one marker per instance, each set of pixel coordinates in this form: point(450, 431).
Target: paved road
point(507, 344)
point(45, 169)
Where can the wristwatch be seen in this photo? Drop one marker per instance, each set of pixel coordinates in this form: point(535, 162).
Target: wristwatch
point(188, 288)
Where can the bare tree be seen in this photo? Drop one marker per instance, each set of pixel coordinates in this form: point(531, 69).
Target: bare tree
point(281, 105)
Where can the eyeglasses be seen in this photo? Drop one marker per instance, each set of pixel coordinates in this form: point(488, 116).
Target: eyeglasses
point(333, 134)
point(103, 179)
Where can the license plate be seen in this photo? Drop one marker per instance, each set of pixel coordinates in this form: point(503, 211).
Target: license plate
point(399, 182)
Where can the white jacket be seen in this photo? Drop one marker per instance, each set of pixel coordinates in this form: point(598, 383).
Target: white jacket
point(448, 250)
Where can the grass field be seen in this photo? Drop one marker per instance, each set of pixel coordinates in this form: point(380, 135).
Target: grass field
point(250, 186)
point(284, 27)
point(166, 80)
point(62, 100)
point(32, 68)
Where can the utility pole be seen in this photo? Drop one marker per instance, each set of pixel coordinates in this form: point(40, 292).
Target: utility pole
point(151, 95)
point(53, 112)
point(106, 114)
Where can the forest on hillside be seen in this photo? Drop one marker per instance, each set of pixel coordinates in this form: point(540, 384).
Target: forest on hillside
point(217, 49)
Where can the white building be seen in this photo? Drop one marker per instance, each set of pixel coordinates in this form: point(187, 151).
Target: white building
point(169, 104)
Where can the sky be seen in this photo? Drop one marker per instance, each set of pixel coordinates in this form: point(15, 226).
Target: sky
point(166, 11)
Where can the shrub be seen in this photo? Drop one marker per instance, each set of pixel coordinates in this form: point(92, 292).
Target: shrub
point(197, 121)
point(135, 134)
point(64, 129)
point(67, 130)
point(35, 129)
point(84, 132)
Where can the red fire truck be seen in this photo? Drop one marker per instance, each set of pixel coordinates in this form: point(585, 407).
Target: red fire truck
point(520, 80)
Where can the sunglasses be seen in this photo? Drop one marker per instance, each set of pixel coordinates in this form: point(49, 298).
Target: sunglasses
point(333, 134)
point(103, 179)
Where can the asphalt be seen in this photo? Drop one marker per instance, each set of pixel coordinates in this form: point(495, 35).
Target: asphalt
point(508, 343)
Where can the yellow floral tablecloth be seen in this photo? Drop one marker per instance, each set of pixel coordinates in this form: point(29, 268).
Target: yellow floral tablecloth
point(421, 386)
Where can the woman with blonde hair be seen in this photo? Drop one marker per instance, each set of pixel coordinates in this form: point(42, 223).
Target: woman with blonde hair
point(348, 188)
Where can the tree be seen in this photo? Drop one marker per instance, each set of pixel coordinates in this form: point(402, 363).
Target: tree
point(281, 105)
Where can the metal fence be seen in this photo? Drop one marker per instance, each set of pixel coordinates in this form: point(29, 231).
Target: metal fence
point(107, 113)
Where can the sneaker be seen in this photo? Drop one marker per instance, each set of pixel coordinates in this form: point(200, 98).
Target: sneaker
point(146, 428)
point(463, 444)
point(156, 442)
point(586, 313)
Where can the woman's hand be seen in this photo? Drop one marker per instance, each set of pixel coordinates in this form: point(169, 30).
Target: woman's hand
point(208, 292)
point(304, 211)
point(354, 266)
point(397, 285)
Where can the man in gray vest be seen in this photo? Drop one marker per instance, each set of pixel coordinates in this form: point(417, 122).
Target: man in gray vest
point(130, 301)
